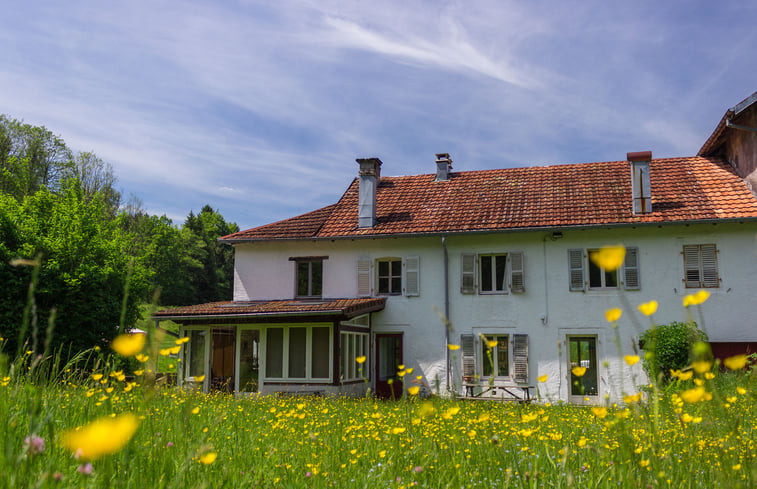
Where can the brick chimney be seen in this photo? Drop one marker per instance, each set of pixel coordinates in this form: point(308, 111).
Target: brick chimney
point(369, 174)
point(640, 184)
point(443, 166)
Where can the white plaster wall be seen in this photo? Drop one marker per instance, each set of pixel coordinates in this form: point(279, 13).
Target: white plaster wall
point(263, 271)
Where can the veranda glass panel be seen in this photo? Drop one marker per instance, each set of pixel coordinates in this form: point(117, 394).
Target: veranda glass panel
point(196, 365)
point(297, 347)
point(583, 353)
point(320, 358)
point(248, 360)
point(274, 352)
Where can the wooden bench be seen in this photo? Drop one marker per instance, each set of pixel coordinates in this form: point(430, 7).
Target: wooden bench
point(497, 391)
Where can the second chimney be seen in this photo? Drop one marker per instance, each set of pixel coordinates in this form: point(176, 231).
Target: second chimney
point(443, 166)
point(369, 174)
point(640, 183)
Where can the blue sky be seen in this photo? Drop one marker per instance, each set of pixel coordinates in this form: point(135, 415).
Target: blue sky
point(260, 108)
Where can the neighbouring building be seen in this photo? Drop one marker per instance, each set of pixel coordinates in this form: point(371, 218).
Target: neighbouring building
point(496, 261)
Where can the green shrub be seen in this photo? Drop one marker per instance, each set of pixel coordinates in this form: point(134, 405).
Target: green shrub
point(669, 347)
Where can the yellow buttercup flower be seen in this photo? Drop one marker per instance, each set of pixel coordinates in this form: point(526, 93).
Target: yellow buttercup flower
point(736, 362)
point(599, 412)
point(491, 343)
point(701, 366)
point(542, 378)
point(613, 315)
point(693, 395)
point(360, 359)
point(128, 344)
point(453, 347)
point(208, 458)
point(199, 378)
point(97, 376)
point(631, 360)
point(632, 398)
point(142, 358)
point(398, 430)
point(683, 375)
point(101, 437)
point(609, 257)
point(648, 308)
point(413, 390)
point(181, 341)
point(696, 299)
point(578, 371)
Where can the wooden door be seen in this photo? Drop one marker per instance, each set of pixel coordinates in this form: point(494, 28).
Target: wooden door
point(388, 359)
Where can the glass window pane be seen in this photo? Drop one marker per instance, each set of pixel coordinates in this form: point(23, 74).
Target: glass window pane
point(383, 267)
point(274, 352)
point(611, 279)
point(316, 276)
point(302, 277)
point(396, 285)
point(383, 285)
point(248, 360)
point(297, 347)
point(500, 264)
point(396, 268)
point(595, 275)
point(320, 358)
point(486, 273)
point(503, 362)
point(196, 366)
point(487, 357)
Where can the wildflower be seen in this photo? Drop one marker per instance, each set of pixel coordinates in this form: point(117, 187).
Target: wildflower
point(199, 378)
point(609, 257)
point(142, 358)
point(613, 315)
point(398, 430)
point(630, 399)
point(169, 444)
point(101, 437)
point(631, 360)
point(453, 347)
point(736, 467)
point(686, 417)
point(208, 458)
point(542, 378)
point(693, 395)
point(701, 366)
point(648, 308)
point(643, 463)
point(139, 373)
point(97, 376)
point(491, 343)
point(426, 409)
point(450, 412)
point(400, 367)
point(196, 410)
point(599, 412)
point(696, 299)
point(360, 359)
point(736, 362)
point(128, 344)
point(682, 375)
point(709, 375)
point(526, 418)
point(578, 371)
point(85, 469)
point(741, 390)
point(418, 469)
point(34, 445)
point(413, 390)
point(181, 341)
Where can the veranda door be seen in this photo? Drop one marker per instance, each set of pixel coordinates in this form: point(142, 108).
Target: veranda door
point(249, 360)
point(388, 359)
point(222, 360)
point(582, 368)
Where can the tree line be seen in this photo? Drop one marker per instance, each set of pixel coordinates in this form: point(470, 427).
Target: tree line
point(91, 258)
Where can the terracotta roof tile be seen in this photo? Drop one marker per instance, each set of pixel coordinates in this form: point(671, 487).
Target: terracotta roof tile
point(342, 307)
point(586, 194)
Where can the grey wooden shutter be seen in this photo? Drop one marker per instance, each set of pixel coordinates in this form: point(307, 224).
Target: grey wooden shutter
point(576, 269)
point(517, 282)
point(692, 276)
point(412, 275)
point(709, 261)
point(363, 278)
point(631, 271)
point(520, 358)
point(468, 343)
point(468, 273)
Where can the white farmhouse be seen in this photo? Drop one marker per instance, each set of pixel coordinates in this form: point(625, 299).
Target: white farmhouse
point(495, 261)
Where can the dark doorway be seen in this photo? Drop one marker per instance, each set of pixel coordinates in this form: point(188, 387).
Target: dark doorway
point(222, 361)
point(388, 359)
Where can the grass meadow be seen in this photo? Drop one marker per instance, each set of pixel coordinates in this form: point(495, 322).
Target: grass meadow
point(132, 433)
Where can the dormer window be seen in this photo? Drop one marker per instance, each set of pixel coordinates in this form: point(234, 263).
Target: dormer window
point(309, 277)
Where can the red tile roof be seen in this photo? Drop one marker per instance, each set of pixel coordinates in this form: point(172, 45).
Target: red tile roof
point(586, 194)
point(247, 309)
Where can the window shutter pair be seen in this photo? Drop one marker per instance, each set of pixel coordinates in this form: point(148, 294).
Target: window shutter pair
point(411, 266)
point(630, 270)
point(468, 272)
point(520, 357)
point(700, 266)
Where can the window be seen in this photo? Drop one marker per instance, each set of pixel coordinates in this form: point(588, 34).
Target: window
point(701, 266)
point(583, 354)
point(499, 360)
point(495, 358)
point(354, 345)
point(309, 277)
point(195, 353)
point(390, 276)
point(584, 273)
point(498, 273)
point(298, 353)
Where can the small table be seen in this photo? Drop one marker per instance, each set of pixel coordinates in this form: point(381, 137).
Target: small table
point(507, 392)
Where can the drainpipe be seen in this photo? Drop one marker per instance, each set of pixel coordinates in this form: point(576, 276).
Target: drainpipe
point(446, 308)
point(545, 316)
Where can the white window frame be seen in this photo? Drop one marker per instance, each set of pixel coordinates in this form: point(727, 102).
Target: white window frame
point(493, 275)
point(471, 273)
point(580, 398)
point(309, 261)
point(186, 353)
point(354, 344)
point(628, 276)
point(390, 277)
point(484, 352)
point(285, 354)
point(602, 274)
point(694, 256)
